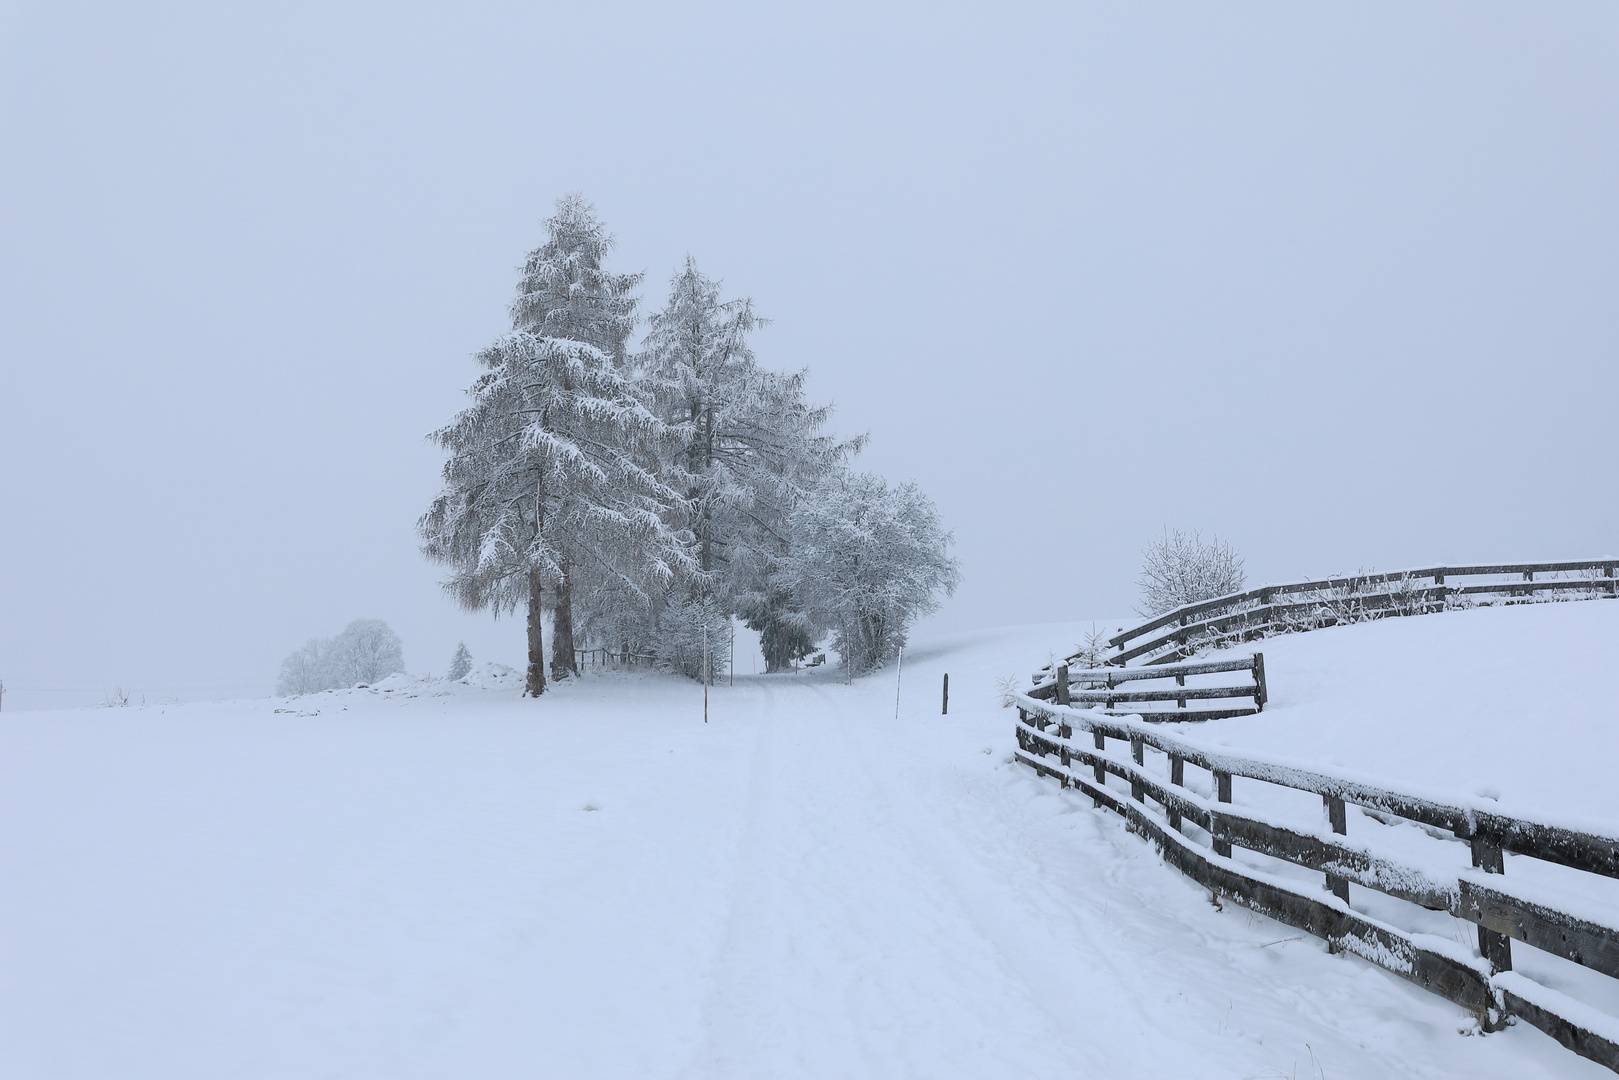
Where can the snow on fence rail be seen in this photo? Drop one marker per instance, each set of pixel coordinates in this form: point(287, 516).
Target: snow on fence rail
point(1108, 687)
point(1483, 983)
point(1308, 605)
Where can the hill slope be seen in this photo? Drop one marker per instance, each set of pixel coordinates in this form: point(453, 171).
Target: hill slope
point(447, 881)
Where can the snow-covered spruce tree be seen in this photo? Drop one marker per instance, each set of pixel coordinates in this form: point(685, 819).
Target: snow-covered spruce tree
point(554, 465)
point(752, 447)
point(461, 662)
point(866, 562)
point(1178, 569)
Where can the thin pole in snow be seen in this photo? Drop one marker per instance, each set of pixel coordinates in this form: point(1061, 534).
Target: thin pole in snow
point(899, 674)
point(733, 654)
point(705, 671)
point(946, 710)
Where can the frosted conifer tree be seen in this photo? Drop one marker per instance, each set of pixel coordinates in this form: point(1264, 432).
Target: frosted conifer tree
point(751, 447)
point(554, 467)
point(867, 561)
point(461, 662)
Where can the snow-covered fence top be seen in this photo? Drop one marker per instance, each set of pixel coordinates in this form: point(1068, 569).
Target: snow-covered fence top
point(1307, 605)
point(1195, 825)
point(1111, 688)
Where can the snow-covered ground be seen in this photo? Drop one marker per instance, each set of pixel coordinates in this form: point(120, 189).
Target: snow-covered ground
point(423, 880)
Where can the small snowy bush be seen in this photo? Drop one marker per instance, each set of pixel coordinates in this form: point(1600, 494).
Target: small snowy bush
point(1178, 569)
point(366, 651)
point(1093, 653)
point(868, 560)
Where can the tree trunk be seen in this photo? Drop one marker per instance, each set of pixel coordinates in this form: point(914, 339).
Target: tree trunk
point(535, 686)
point(563, 658)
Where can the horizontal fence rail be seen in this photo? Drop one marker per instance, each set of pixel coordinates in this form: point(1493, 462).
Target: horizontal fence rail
point(1307, 605)
point(1484, 983)
point(624, 658)
point(1112, 688)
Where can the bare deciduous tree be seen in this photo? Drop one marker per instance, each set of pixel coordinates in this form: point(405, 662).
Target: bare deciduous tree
point(1179, 569)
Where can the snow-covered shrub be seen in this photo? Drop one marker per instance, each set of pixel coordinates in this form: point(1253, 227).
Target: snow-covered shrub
point(867, 561)
point(690, 632)
point(1178, 569)
point(461, 662)
point(1358, 598)
point(366, 651)
point(1093, 653)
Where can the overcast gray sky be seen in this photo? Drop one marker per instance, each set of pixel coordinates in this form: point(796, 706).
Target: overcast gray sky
point(1337, 283)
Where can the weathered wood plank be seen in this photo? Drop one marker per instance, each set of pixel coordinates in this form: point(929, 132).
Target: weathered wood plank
point(1181, 716)
point(1591, 944)
point(1194, 693)
point(1582, 1041)
point(1115, 676)
point(1567, 847)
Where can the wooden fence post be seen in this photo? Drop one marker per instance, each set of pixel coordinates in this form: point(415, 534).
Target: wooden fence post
point(1097, 770)
point(1495, 947)
point(1338, 886)
point(1063, 697)
point(1261, 692)
point(945, 710)
point(1222, 792)
point(1137, 753)
point(1065, 733)
point(1177, 776)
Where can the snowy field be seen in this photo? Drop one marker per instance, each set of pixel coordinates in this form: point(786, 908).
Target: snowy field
point(447, 881)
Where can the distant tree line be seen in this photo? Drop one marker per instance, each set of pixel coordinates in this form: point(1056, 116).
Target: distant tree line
point(646, 496)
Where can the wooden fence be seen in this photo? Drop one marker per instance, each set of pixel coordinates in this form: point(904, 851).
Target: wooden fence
point(1307, 605)
point(1483, 982)
point(623, 658)
point(1110, 688)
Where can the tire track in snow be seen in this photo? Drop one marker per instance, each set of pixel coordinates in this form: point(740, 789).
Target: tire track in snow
point(906, 909)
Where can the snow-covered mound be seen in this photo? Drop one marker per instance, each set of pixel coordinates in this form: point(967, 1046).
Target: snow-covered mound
point(1519, 704)
point(425, 879)
point(490, 676)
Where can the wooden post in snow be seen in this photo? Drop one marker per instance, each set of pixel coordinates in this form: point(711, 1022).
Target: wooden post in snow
point(899, 673)
point(945, 711)
point(1336, 818)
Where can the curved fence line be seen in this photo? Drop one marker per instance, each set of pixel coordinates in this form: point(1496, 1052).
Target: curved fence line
point(1107, 688)
point(1309, 605)
point(1196, 834)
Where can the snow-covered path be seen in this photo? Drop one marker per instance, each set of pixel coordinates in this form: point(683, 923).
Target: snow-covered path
point(599, 885)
